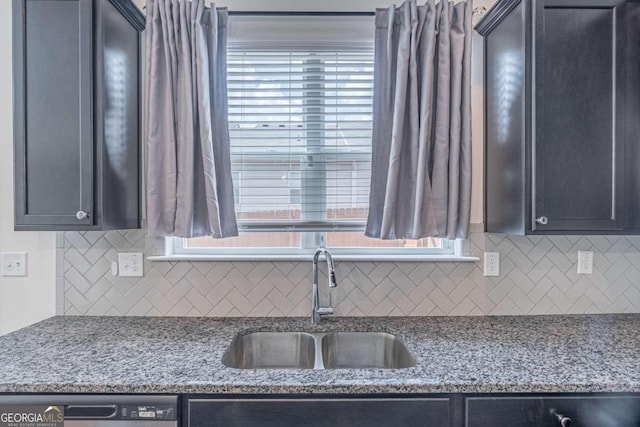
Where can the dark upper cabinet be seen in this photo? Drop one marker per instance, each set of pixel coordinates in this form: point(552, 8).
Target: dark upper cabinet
point(561, 123)
point(76, 114)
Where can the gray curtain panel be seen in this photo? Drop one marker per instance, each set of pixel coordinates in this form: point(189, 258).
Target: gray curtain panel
point(421, 159)
point(189, 183)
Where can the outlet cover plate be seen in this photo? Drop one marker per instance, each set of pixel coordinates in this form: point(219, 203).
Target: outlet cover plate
point(130, 264)
point(491, 264)
point(14, 264)
point(585, 262)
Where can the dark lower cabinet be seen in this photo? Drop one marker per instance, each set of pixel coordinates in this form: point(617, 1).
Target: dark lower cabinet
point(414, 410)
point(560, 411)
point(319, 412)
point(76, 70)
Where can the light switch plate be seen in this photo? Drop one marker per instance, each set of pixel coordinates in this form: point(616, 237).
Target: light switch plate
point(491, 263)
point(14, 264)
point(585, 262)
point(130, 264)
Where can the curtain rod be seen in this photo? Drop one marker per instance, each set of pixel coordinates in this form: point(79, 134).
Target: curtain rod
point(291, 13)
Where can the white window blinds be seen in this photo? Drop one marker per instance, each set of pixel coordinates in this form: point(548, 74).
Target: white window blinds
point(300, 128)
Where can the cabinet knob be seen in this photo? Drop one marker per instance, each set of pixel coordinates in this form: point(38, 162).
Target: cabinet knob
point(564, 421)
point(542, 220)
point(81, 215)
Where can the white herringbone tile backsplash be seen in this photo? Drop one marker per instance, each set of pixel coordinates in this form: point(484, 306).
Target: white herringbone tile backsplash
point(538, 276)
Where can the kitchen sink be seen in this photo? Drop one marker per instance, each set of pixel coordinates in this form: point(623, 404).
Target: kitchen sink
point(364, 350)
point(301, 350)
point(271, 350)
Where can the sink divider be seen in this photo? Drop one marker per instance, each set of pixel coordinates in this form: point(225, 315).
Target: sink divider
point(317, 340)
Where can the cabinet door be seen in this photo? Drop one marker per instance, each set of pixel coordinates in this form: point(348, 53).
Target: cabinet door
point(578, 139)
point(53, 113)
point(307, 412)
point(510, 411)
point(505, 95)
point(536, 411)
point(117, 118)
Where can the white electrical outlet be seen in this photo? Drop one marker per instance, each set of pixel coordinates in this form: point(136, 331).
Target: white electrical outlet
point(585, 262)
point(14, 263)
point(130, 264)
point(491, 263)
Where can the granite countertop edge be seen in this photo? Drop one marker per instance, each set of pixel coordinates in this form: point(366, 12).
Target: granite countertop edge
point(314, 389)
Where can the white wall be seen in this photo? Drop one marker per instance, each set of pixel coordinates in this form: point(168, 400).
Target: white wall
point(23, 300)
point(477, 129)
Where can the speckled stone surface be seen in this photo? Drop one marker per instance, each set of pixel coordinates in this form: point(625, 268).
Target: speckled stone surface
point(583, 353)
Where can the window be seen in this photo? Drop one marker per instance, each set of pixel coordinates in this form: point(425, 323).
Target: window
point(300, 120)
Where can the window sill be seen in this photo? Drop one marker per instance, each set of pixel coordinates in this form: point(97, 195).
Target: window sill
point(337, 257)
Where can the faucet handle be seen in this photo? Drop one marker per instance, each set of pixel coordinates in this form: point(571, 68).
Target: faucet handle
point(322, 311)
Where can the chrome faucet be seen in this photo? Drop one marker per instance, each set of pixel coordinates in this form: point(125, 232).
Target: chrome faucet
point(316, 310)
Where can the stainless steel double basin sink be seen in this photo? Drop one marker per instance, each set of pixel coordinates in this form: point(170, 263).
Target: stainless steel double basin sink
point(332, 350)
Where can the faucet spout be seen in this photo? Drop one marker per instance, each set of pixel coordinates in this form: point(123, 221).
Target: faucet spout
point(316, 310)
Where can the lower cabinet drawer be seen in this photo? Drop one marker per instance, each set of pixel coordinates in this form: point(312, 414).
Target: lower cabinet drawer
point(316, 412)
point(532, 411)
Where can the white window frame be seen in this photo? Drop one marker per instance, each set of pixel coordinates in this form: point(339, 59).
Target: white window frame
point(268, 30)
point(176, 250)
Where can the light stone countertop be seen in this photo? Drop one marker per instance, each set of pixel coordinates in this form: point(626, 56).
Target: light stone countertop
point(581, 353)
